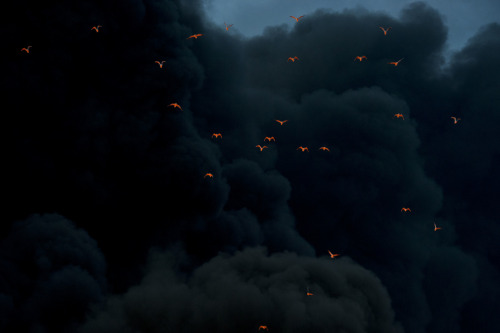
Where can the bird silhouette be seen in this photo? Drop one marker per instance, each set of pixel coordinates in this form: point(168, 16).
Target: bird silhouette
point(281, 121)
point(297, 18)
point(269, 138)
point(385, 30)
point(303, 148)
point(360, 58)
point(195, 36)
point(455, 120)
point(27, 49)
point(324, 148)
point(293, 59)
point(217, 135)
point(436, 228)
point(309, 293)
point(405, 209)
point(160, 63)
point(263, 327)
point(261, 147)
point(227, 26)
point(333, 255)
point(399, 115)
point(96, 28)
point(395, 63)
point(208, 174)
point(175, 105)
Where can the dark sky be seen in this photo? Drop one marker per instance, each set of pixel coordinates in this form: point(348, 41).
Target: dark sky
point(110, 225)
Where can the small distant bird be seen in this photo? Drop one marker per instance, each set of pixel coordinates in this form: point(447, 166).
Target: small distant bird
point(160, 63)
point(333, 255)
point(208, 175)
point(293, 59)
point(96, 28)
point(436, 228)
point(303, 148)
point(324, 148)
point(175, 105)
point(297, 18)
point(385, 30)
point(360, 58)
point(405, 209)
point(455, 120)
point(261, 147)
point(227, 26)
point(395, 63)
point(27, 49)
point(269, 138)
point(263, 327)
point(309, 293)
point(399, 115)
point(217, 135)
point(281, 121)
point(195, 36)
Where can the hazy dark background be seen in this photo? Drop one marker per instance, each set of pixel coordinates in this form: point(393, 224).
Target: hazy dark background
point(110, 226)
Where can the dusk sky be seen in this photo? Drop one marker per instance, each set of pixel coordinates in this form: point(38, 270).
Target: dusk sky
point(151, 188)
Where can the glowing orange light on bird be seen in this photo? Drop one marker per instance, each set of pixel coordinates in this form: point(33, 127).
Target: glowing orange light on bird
point(217, 135)
point(263, 327)
point(160, 63)
point(208, 174)
point(436, 227)
point(333, 255)
point(96, 28)
point(360, 58)
point(297, 18)
point(227, 26)
point(269, 138)
point(303, 148)
point(455, 119)
point(399, 115)
point(324, 148)
point(292, 59)
point(404, 209)
point(195, 36)
point(385, 30)
point(395, 63)
point(175, 105)
point(26, 49)
point(261, 147)
point(281, 121)
point(309, 293)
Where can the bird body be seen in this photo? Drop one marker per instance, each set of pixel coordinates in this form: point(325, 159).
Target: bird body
point(406, 209)
point(269, 138)
point(360, 58)
point(96, 28)
point(399, 115)
point(281, 121)
point(208, 174)
point(455, 119)
point(324, 148)
point(436, 228)
point(27, 49)
point(261, 147)
point(385, 30)
point(175, 105)
point(303, 148)
point(297, 18)
point(293, 59)
point(160, 63)
point(395, 63)
point(333, 255)
point(227, 26)
point(195, 36)
point(217, 135)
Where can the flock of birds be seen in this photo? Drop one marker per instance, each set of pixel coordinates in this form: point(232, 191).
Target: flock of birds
point(281, 122)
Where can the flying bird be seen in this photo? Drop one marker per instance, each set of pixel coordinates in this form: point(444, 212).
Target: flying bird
point(175, 105)
point(455, 119)
point(160, 63)
point(195, 36)
point(395, 63)
point(324, 148)
point(281, 121)
point(436, 228)
point(269, 138)
point(217, 135)
point(309, 293)
point(399, 115)
point(227, 26)
point(303, 148)
point(293, 59)
point(261, 147)
point(297, 18)
point(405, 209)
point(385, 30)
point(360, 58)
point(263, 327)
point(96, 28)
point(27, 49)
point(333, 255)
point(208, 175)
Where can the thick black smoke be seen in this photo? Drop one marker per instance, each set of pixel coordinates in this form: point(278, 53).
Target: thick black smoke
point(91, 137)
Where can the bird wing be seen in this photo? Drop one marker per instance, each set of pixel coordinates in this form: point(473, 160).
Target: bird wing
point(293, 17)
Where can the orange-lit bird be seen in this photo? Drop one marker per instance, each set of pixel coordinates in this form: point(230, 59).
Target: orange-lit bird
point(333, 255)
point(217, 135)
point(297, 18)
point(385, 30)
point(269, 138)
point(175, 105)
point(160, 63)
point(281, 121)
point(208, 174)
point(292, 59)
point(405, 209)
point(96, 28)
point(303, 148)
point(195, 36)
point(309, 293)
point(360, 58)
point(227, 26)
point(399, 115)
point(263, 327)
point(395, 63)
point(261, 147)
point(27, 49)
point(436, 228)
point(324, 148)
point(455, 119)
